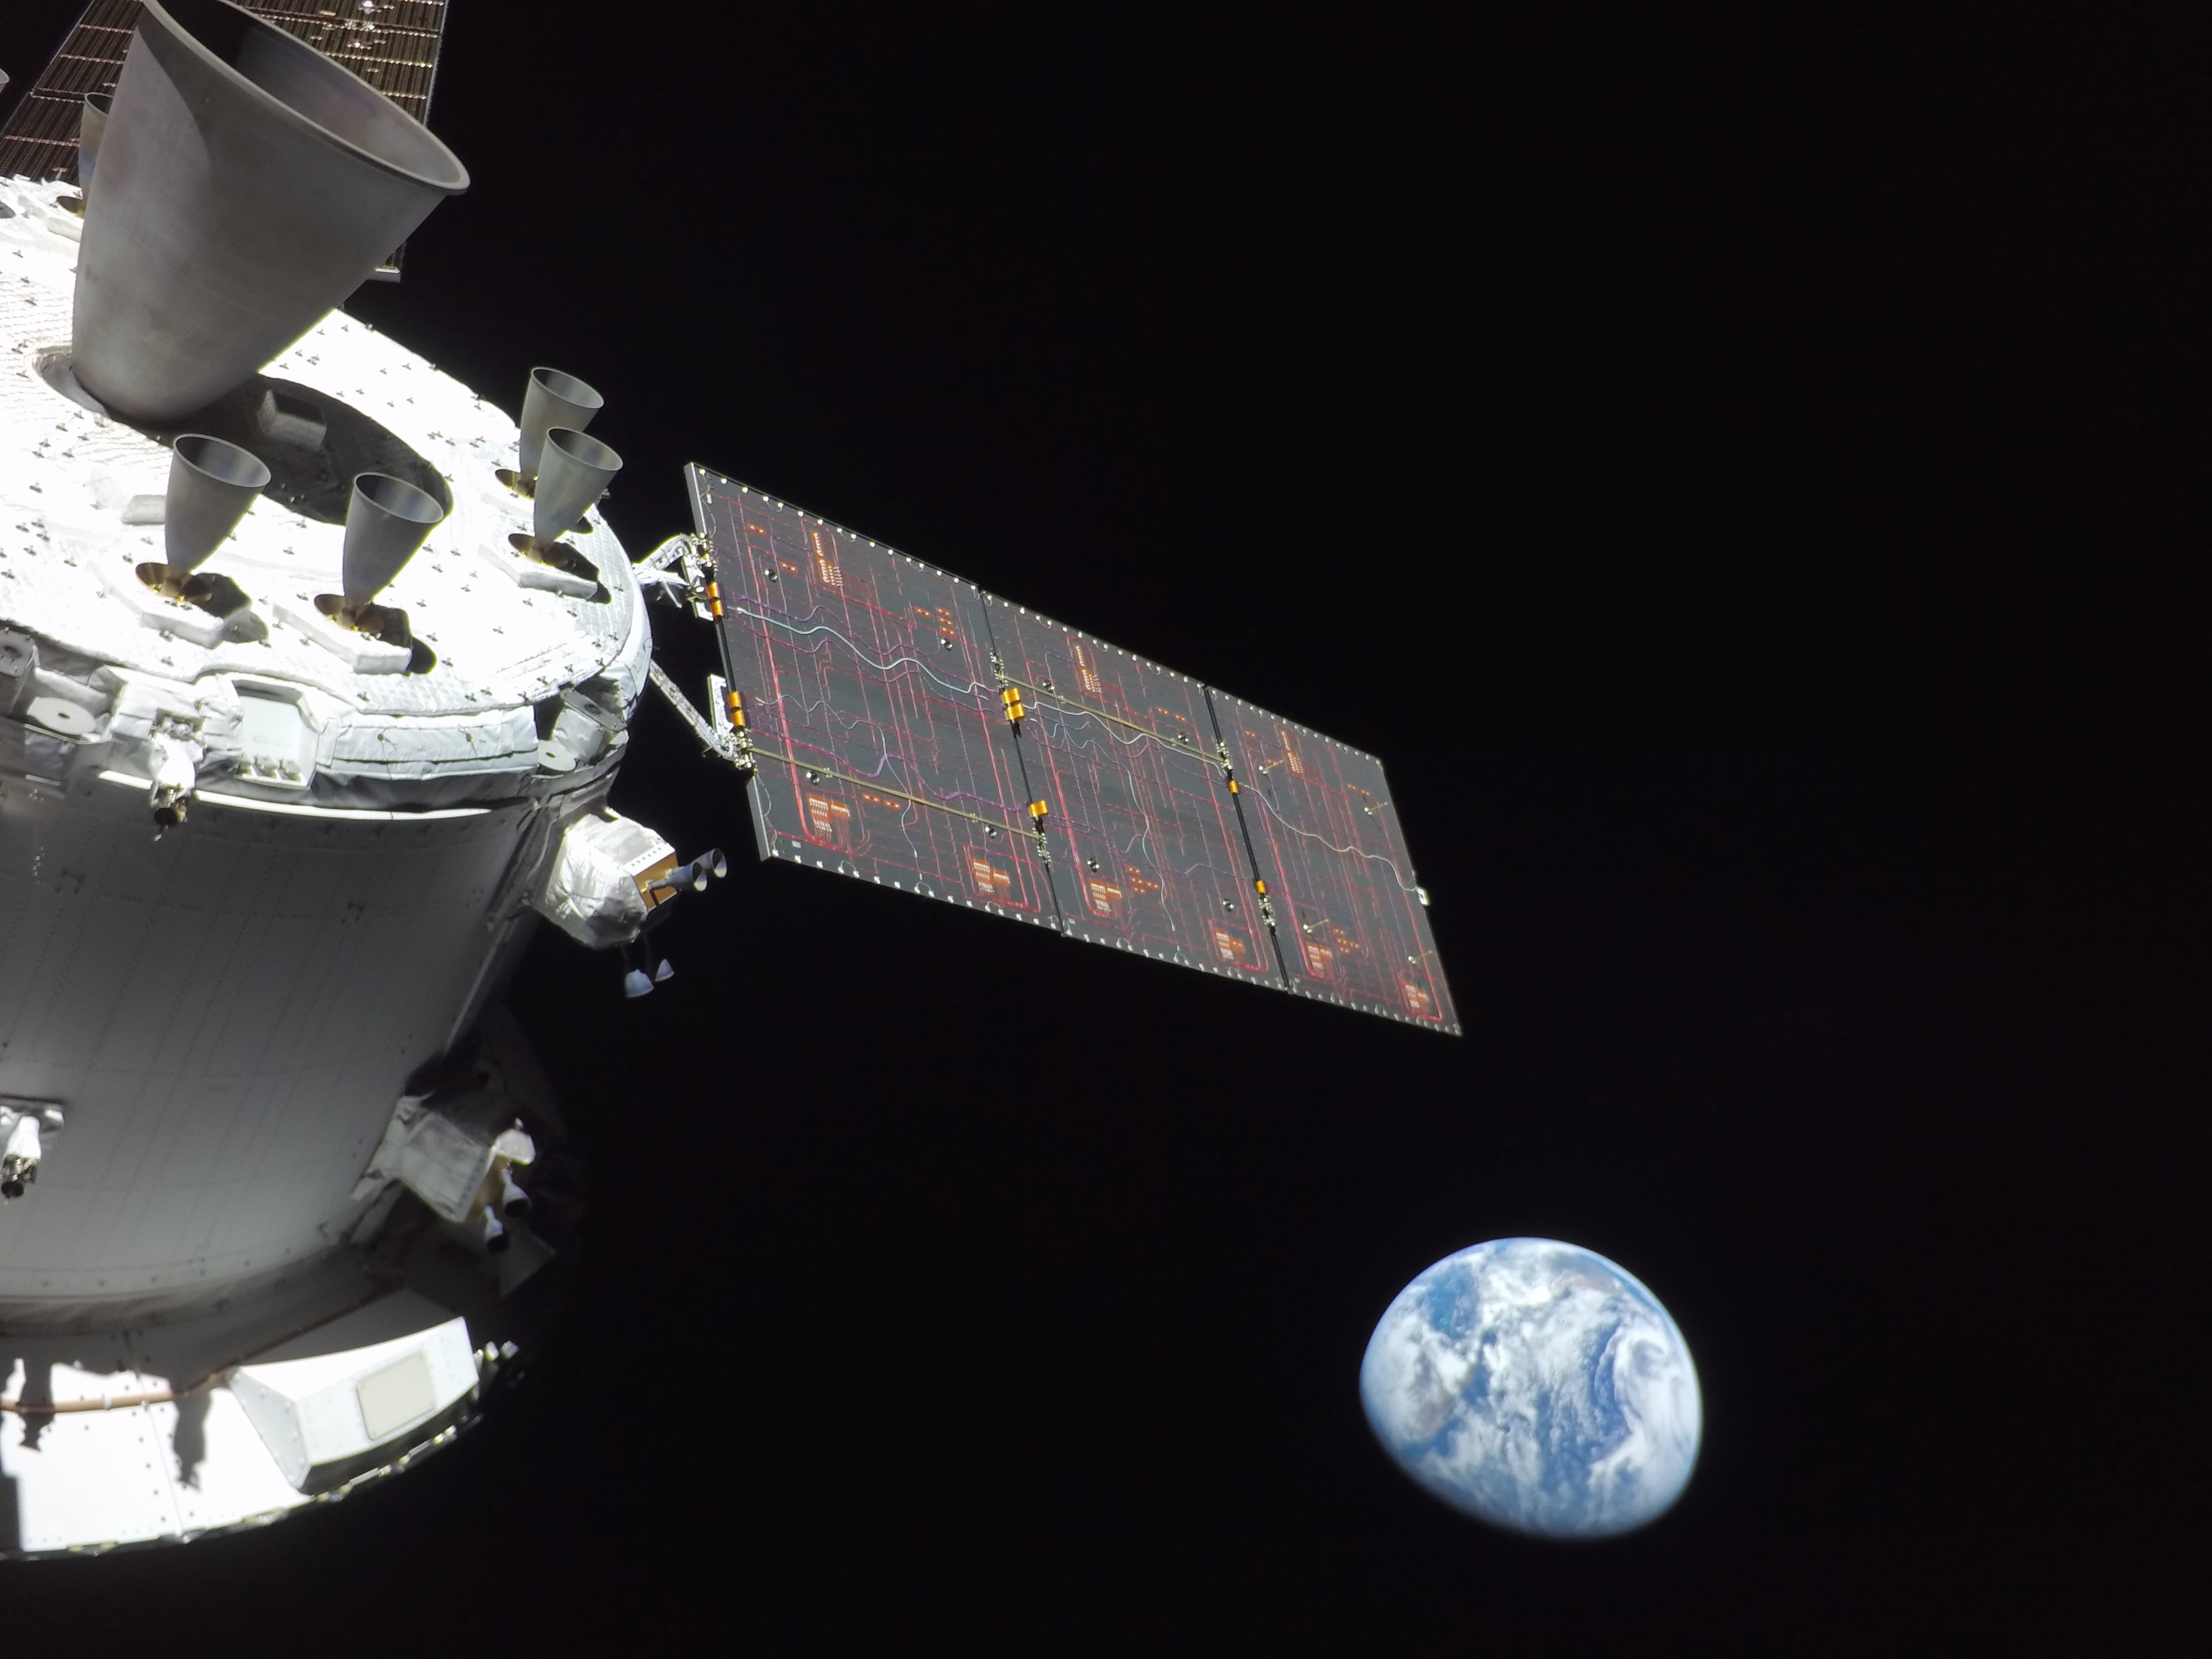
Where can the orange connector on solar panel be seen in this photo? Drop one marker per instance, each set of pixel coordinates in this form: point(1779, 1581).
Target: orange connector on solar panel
point(1012, 696)
point(715, 598)
point(1038, 809)
point(736, 707)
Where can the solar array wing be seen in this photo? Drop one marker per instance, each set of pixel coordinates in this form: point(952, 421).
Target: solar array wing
point(909, 728)
point(391, 44)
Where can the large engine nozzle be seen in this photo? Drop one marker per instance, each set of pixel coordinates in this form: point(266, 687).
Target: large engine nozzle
point(386, 520)
point(211, 483)
point(247, 185)
point(574, 470)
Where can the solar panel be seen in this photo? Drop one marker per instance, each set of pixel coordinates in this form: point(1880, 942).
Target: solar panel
point(40, 139)
point(391, 44)
point(881, 746)
point(1148, 855)
point(1353, 922)
point(909, 728)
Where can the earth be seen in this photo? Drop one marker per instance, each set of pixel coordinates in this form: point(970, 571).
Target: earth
point(1536, 1386)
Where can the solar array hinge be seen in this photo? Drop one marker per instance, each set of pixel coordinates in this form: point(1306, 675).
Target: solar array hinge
point(1259, 884)
point(693, 556)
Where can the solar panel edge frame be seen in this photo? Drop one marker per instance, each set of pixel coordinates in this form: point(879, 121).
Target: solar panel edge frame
point(763, 841)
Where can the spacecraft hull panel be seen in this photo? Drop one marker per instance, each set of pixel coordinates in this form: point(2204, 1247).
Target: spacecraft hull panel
point(225, 1016)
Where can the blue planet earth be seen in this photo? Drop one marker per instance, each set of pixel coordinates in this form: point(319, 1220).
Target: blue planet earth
point(1536, 1386)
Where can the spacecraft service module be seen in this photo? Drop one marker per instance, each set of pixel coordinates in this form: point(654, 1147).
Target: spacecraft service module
point(316, 670)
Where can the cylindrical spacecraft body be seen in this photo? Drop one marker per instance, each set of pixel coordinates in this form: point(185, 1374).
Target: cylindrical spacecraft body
point(226, 1017)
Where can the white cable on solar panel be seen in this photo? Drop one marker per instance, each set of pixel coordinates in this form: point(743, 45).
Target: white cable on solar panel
point(1403, 884)
point(807, 710)
point(1181, 747)
point(969, 689)
point(911, 807)
point(1109, 730)
point(1181, 744)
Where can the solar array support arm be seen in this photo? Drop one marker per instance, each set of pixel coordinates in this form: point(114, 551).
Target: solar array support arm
point(719, 740)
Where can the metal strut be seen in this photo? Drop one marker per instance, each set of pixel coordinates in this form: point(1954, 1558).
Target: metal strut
point(733, 746)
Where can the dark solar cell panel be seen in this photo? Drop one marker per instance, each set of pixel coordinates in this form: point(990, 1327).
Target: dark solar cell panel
point(1143, 831)
point(877, 691)
point(881, 744)
point(40, 139)
point(1352, 923)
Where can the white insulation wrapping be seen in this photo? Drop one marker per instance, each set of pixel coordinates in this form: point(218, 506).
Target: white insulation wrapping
point(445, 1157)
point(593, 892)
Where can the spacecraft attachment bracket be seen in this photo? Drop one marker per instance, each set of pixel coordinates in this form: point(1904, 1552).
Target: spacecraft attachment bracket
point(52, 1118)
point(718, 736)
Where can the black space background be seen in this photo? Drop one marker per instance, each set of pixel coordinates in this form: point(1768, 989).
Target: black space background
point(1744, 470)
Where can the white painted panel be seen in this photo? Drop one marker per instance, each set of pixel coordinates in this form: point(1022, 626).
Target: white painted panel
point(227, 1015)
point(333, 1406)
point(402, 1393)
point(92, 1478)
